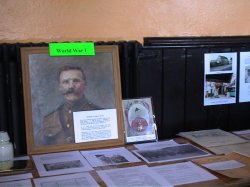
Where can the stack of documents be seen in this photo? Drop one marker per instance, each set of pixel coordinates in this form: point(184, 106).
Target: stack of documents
point(218, 141)
point(243, 133)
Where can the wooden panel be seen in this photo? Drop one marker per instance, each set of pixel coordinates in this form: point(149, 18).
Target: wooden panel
point(128, 52)
point(196, 113)
point(16, 113)
point(239, 113)
point(196, 41)
point(3, 100)
point(173, 91)
point(149, 81)
point(197, 116)
point(218, 114)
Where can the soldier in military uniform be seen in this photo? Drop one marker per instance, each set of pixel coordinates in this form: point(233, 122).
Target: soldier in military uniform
point(139, 123)
point(58, 126)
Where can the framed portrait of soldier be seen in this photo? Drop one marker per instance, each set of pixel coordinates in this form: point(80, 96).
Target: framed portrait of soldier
point(71, 102)
point(138, 120)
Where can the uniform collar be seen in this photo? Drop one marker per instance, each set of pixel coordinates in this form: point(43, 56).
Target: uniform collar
point(77, 105)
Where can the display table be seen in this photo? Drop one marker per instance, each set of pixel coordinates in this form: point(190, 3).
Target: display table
point(222, 180)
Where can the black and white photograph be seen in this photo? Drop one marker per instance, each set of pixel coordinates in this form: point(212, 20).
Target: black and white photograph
point(111, 156)
point(179, 152)
point(63, 165)
point(114, 159)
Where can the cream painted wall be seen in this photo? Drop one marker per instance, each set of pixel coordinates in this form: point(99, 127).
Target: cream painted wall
point(96, 20)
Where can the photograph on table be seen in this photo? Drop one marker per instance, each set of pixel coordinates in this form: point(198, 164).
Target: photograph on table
point(138, 120)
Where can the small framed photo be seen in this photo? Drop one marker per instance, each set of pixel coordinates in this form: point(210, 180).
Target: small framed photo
point(72, 102)
point(138, 120)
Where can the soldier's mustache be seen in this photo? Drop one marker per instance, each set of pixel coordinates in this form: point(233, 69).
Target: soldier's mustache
point(70, 91)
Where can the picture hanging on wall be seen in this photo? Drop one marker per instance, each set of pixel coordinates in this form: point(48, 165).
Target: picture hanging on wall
point(138, 120)
point(72, 102)
point(220, 72)
point(244, 79)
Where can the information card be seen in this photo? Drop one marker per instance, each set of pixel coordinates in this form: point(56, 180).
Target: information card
point(95, 125)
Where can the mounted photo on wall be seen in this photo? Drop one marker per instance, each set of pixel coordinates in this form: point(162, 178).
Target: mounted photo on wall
point(139, 121)
point(220, 72)
point(244, 82)
point(72, 102)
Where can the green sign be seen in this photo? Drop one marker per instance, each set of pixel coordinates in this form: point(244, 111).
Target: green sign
point(72, 49)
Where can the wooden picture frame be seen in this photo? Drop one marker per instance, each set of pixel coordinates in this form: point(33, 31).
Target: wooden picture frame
point(45, 101)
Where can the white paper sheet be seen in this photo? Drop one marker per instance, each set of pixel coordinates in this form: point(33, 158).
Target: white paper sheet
point(237, 167)
point(77, 179)
point(183, 173)
point(105, 157)
point(132, 176)
point(16, 177)
point(95, 125)
point(156, 145)
point(61, 163)
point(224, 165)
point(220, 74)
point(179, 152)
point(244, 86)
point(20, 183)
point(213, 137)
point(243, 133)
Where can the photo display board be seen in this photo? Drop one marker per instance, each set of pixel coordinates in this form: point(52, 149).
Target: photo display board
point(244, 85)
point(220, 74)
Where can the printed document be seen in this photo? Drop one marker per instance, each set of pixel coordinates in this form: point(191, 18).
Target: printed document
point(105, 157)
point(61, 163)
point(95, 125)
point(132, 176)
point(242, 148)
point(224, 165)
point(183, 173)
point(233, 165)
point(21, 183)
point(77, 180)
point(243, 133)
point(15, 177)
point(211, 138)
